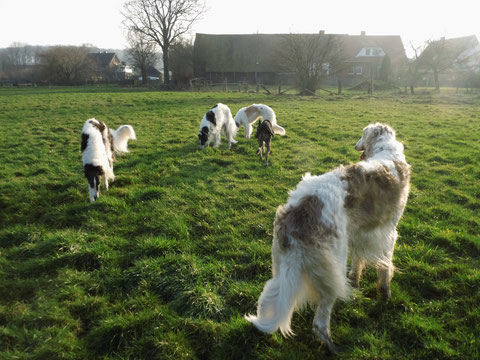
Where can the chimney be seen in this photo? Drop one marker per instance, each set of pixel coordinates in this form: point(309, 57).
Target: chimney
point(362, 33)
point(322, 32)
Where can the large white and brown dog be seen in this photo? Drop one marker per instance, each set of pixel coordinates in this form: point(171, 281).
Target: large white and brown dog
point(248, 115)
point(216, 121)
point(350, 211)
point(99, 145)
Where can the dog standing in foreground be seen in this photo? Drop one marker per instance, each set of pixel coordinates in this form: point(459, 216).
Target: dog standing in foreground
point(248, 115)
point(99, 145)
point(218, 120)
point(264, 135)
point(350, 211)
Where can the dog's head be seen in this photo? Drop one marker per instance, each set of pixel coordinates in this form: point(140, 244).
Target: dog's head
point(203, 137)
point(372, 134)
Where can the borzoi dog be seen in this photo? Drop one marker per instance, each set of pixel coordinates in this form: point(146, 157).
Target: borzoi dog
point(352, 210)
point(218, 120)
point(99, 145)
point(264, 135)
point(248, 115)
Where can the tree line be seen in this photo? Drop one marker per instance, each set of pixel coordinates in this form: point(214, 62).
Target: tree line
point(157, 28)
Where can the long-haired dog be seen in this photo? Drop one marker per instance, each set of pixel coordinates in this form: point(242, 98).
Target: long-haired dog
point(216, 121)
point(352, 210)
point(248, 115)
point(99, 145)
point(264, 135)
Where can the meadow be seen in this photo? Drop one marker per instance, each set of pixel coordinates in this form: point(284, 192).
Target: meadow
point(166, 263)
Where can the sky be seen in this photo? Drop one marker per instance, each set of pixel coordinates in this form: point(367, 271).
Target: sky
point(98, 22)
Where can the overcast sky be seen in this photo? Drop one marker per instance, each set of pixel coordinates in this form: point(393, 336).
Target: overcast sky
point(98, 22)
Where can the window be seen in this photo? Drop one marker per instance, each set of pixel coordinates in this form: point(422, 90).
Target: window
point(351, 71)
point(358, 70)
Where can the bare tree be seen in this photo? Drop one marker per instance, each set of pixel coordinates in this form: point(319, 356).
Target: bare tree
point(411, 70)
point(311, 57)
point(66, 65)
point(141, 52)
point(162, 21)
point(443, 56)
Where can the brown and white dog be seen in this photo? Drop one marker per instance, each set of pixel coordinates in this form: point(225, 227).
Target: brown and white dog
point(350, 211)
point(264, 136)
point(99, 145)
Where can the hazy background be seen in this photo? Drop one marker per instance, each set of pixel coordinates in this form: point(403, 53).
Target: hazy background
point(73, 22)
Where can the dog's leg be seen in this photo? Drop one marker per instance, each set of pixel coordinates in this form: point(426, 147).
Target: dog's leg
point(384, 277)
point(248, 130)
point(385, 269)
point(269, 141)
point(216, 140)
point(356, 271)
point(321, 322)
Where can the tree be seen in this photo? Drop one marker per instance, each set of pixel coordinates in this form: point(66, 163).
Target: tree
point(162, 21)
point(66, 65)
point(311, 57)
point(141, 52)
point(181, 58)
point(443, 56)
point(386, 71)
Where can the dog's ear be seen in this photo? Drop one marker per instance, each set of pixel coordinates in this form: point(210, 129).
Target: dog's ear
point(387, 130)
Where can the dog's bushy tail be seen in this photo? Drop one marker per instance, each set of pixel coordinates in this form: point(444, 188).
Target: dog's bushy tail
point(278, 301)
point(121, 137)
point(277, 129)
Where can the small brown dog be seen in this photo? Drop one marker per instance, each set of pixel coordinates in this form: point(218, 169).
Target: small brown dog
point(264, 135)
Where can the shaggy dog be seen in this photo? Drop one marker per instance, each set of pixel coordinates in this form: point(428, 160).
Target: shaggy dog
point(248, 115)
point(264, 135)
point(99, 145)
point(218, 120)
point(352, 210)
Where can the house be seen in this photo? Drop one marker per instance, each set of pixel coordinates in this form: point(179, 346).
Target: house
point(451, 61)
point(254, 58)
point(108, 67)
point(365, 55)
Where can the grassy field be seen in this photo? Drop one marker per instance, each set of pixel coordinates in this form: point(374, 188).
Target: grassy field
point(166, 263)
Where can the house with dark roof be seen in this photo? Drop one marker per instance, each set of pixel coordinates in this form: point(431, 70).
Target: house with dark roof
point(254, 58)
point(108, 67)
point(451, 61)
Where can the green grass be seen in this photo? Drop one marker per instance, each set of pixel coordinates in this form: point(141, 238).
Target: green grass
point(166, 263)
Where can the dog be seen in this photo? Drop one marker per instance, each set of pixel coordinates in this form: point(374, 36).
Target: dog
point(350, 211)
point(248, 115)
point(99, 146)
point(264, 135)
point(218, 120)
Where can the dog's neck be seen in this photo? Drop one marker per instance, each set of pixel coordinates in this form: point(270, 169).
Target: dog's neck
point(385, 148)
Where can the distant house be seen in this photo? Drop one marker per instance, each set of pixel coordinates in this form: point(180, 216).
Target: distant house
point(253, 58)
point(365, 55)
point(108, 67)
point(451, 61)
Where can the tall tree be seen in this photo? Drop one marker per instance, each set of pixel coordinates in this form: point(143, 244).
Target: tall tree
point(311, 57)
point(142, 52)
point(162, 21)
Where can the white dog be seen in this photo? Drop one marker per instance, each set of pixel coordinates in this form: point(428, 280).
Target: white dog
point(351, 210)
point(99, 145)
point(248, 115)
point(218, 120)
